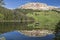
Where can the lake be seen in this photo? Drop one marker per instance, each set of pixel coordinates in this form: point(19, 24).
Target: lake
point(14, 35)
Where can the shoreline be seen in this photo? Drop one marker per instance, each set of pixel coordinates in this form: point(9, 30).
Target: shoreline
point(36, 33)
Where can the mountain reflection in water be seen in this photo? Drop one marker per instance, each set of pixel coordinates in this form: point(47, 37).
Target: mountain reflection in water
point(19, 36)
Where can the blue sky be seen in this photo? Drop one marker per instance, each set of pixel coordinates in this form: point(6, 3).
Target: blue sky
point(16, 3)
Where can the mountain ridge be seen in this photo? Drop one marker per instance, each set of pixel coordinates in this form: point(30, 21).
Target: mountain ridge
point(37, 6)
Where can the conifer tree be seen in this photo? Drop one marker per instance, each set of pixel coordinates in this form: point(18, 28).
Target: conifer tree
point(2, 2)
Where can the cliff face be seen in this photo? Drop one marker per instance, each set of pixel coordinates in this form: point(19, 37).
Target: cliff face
point(37, 6)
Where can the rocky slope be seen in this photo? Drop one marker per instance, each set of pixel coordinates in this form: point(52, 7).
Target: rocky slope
point(36, 33)
point(37, 6)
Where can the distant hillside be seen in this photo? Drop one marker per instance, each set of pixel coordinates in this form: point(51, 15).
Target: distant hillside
point(6, 13)
point(57, 9)
point(37, 6)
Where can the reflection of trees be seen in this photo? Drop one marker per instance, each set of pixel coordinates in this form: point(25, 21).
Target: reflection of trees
point(57, 31)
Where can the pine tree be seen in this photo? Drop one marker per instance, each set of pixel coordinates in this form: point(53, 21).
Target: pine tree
point(2, 2)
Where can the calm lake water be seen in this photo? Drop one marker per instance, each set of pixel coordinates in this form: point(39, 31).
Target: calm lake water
point(19, 36)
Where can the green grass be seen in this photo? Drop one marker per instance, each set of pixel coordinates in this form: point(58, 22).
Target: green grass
point(44, 19)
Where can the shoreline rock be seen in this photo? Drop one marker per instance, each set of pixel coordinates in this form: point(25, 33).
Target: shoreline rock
point(36, 33)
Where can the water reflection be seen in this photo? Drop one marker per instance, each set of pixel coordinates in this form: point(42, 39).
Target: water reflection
point(57, 31)
point(19, 36)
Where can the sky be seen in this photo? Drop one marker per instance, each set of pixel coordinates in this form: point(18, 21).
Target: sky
point(11, 4)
